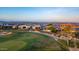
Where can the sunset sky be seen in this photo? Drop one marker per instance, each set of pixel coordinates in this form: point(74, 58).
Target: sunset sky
point(41, 14)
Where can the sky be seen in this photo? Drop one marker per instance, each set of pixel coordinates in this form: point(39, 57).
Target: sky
point(40, 14)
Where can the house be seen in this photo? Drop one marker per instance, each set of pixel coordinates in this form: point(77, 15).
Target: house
point(76, 28)
point(24, 27)
point(7, 26)
point(72, 27)
point(36, 27)
point(57, 26)
point(15, 27)
point(46, 29)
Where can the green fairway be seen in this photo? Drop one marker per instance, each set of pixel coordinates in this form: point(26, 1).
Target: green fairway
point(28, 41)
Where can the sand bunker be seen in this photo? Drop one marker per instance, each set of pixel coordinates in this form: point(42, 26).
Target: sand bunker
point(5, 33)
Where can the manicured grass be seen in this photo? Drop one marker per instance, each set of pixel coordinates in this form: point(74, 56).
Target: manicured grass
point(28, 41)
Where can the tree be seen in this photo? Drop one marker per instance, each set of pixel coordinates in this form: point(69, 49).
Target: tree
point(52, 28)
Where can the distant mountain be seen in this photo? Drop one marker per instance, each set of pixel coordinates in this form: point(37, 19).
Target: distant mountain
point(25, 22)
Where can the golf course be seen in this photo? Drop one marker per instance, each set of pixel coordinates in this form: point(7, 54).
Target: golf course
point(28, 41)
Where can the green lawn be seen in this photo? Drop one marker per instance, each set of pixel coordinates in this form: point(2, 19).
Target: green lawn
point(28, 41)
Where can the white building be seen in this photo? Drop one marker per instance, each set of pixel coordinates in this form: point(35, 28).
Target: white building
point(24, 27)
point(36, 27)
point(14, 27)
